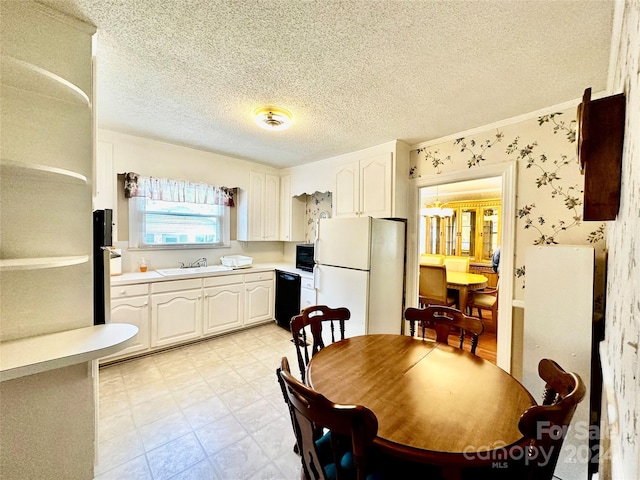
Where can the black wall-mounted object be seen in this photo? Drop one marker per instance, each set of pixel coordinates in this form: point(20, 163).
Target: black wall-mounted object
point(600, 135)
point(102, 240)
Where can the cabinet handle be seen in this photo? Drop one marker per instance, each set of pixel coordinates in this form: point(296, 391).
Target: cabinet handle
point(145, 304)
point(123, 292)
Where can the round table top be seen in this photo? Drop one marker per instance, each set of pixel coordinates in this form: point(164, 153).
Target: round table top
point(434, 403)
point(464, 278)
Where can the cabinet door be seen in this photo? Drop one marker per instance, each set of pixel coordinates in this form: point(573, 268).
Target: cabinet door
point(259, 301)
point(307, 298)
point(307, 292)
point(467, 232)
point(285, 208)
point(134, 311)
point(376, 186)
point(347, 196)
point(256, 195)
point(175, 317)
point(270, 207)
point(223, 308)
point(489, 232)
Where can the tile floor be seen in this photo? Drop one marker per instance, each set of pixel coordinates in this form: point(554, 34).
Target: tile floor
point(210, 410)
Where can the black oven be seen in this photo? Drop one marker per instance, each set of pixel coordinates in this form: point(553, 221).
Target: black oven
point(304, 257)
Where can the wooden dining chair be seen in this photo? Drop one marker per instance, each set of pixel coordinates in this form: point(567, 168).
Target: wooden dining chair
point(433, 286)
point(545, 425)
point(315, 317)
point(457, 264)
point(544, 428)
point(485, 299)
point(431, 259)
point(443, 319)
point(339, 453)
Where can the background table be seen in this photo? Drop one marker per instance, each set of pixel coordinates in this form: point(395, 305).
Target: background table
point(433, 402)
point(464, 283)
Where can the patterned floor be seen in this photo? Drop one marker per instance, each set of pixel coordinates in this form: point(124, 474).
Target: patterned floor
point(211, 410)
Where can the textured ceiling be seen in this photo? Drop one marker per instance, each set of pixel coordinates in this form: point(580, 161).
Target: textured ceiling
point(354, 73)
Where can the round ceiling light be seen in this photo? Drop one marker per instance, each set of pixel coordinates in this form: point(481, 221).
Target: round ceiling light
point(273, 118)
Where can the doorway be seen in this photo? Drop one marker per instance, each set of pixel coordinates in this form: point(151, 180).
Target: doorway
point(506, 173)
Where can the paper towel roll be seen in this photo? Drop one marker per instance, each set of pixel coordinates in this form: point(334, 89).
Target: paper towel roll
point(115, 264)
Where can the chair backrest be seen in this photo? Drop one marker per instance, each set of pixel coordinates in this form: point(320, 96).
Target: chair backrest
point(431, 259)
point(433, 284)
point(545, 425)
point(442, 319)
point(457, 264)
point(353, 425)
point(314, 317)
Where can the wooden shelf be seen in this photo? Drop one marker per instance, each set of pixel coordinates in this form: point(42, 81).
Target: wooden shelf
point(27, 356)
point(38, 171)
point(26, 76)
point(7, 265)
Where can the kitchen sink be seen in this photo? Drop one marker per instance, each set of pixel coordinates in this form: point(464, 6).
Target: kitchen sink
point(172, 272)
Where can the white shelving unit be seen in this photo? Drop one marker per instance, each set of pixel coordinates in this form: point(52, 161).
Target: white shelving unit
point(47, 335)
point(28, 356)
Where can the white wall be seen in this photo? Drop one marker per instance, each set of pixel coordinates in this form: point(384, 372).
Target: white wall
point(129, 153)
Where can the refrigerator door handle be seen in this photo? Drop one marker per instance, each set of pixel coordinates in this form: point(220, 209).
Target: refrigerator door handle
point(316, 278)
point(315, 242)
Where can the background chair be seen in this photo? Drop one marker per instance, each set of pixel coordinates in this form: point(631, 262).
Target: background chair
point(352, 429)
point(314, 317)
point(485, 299)
point(544, 428)
point(431, 259)
point(562, 394)
point(442, 319)
point(457, 264)
point(433, 286)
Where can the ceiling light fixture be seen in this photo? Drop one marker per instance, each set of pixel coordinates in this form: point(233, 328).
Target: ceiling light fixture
point(436, 210)
point(273, 118)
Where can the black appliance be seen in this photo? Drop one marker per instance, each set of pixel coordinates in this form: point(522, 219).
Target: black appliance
point(102, 240)
point(287, 297)
point(304, 257)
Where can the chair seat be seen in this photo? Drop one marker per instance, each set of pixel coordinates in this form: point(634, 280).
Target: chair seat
point(432, 301)
point(483, 300)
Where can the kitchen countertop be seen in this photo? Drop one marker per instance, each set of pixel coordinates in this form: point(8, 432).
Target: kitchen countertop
point(153, 276)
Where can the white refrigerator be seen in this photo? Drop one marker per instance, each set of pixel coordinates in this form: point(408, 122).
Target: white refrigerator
point(360, 265)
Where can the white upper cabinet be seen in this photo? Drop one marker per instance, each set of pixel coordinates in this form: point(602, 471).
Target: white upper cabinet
point(365, 188)
point(292, 213)
point(258, 209)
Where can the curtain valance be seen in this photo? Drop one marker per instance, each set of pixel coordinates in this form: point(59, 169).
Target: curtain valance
point(176, 190)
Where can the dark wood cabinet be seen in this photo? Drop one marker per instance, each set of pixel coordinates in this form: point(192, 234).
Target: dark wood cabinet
point(600, 137)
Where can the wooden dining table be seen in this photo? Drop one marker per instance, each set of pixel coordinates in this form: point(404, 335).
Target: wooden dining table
point(465, 282)
point(435, 404)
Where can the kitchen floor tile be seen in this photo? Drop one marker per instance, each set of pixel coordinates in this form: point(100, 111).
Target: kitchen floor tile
point(211, 410)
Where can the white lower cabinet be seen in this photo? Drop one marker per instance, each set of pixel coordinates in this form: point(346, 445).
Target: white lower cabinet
point(259, 297)
point(130, 304)
point(307, 293)
point(223, 304)
point(176, 312)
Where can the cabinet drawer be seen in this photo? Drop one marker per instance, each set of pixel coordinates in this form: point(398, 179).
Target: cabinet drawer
point(256, 277)
point(129, 290)
point(222, 280)
point(175, 285)
point(307, 298)
point(307, 283)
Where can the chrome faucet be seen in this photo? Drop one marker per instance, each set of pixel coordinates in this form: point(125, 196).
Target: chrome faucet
point(201, 262)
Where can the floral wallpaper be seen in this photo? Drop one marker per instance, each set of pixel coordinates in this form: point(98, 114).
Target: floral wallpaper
point(621, 346)
point(318, 206)
point(549, 188)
